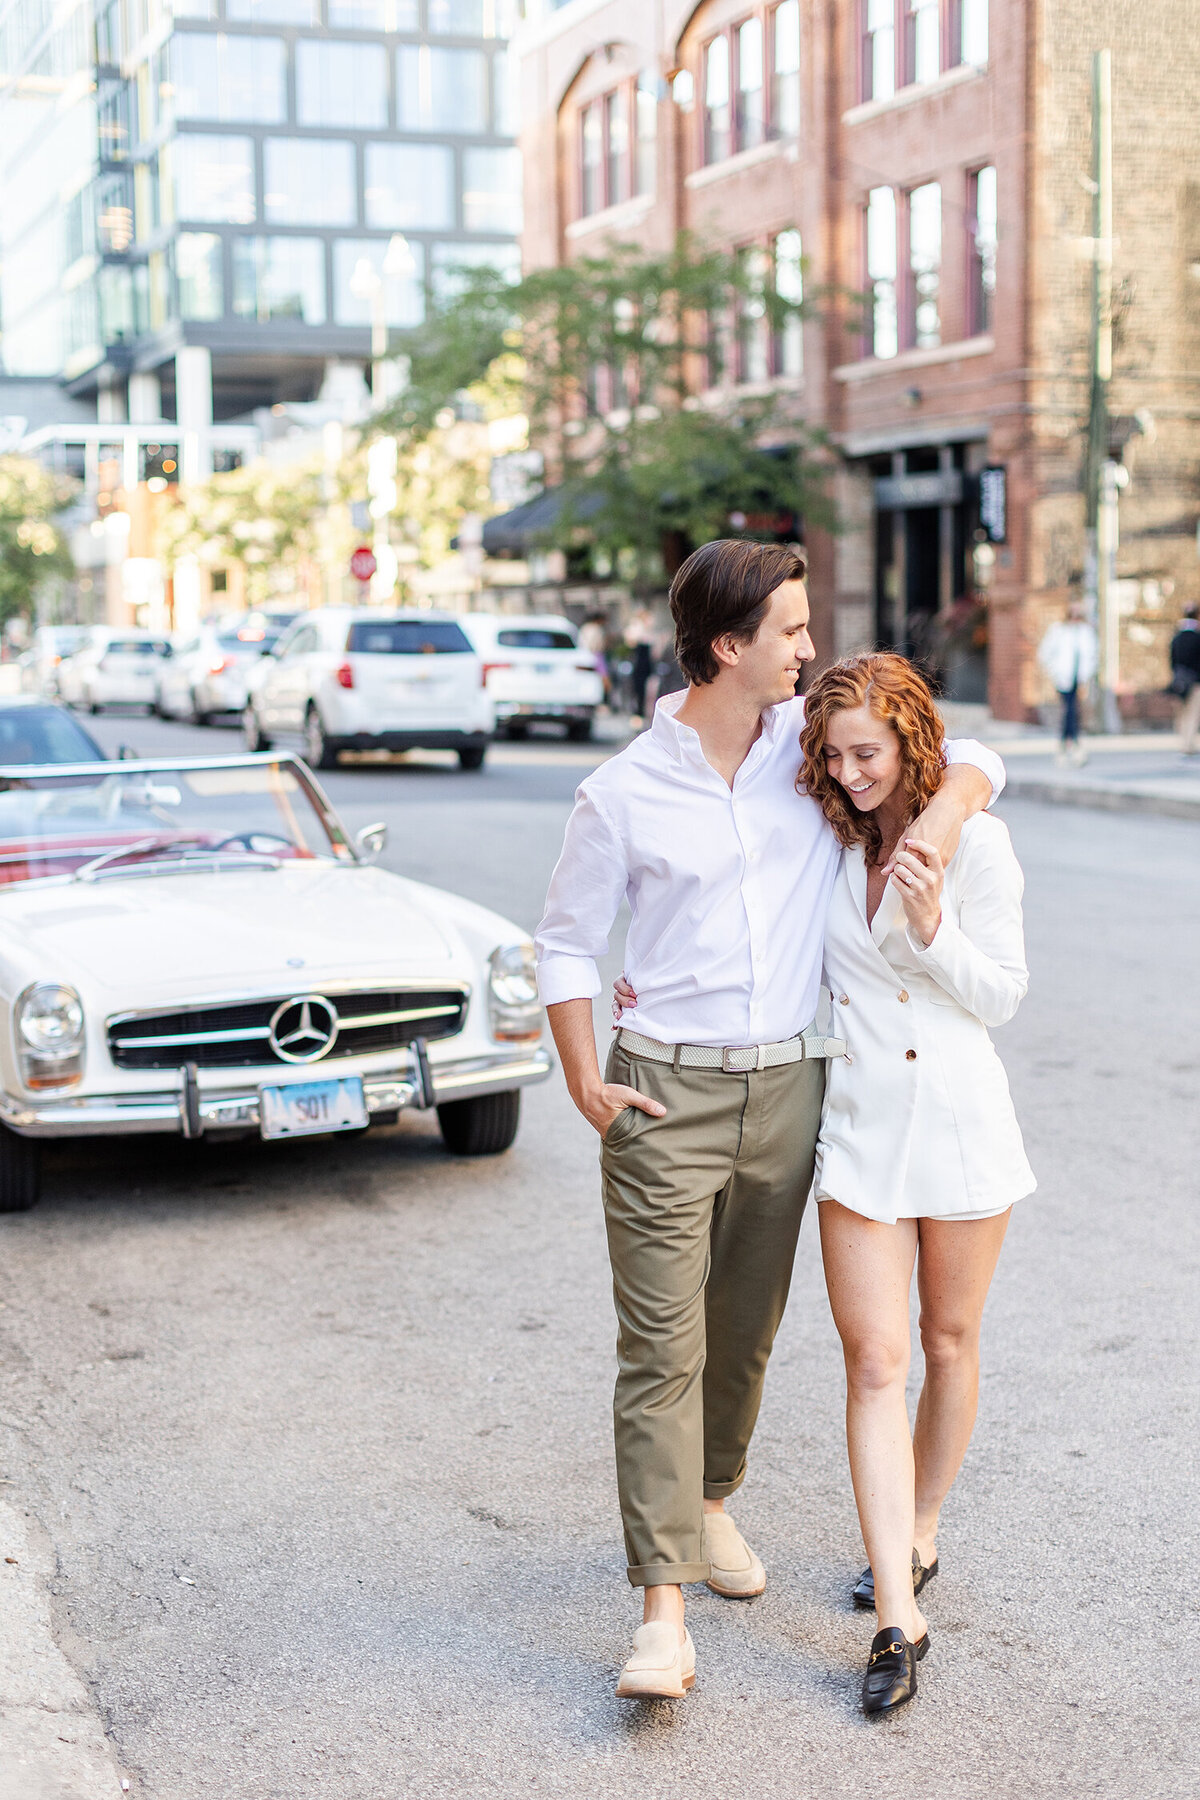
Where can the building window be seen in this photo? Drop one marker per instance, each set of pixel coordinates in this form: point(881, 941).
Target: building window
point(925, 265)
point(752, 334)
point(274, 12)
point(973, 32)
point(883, 336)
point(374, 15)
point(506, 83)
point(923, 40)
point(879, 49)
point(198, 273)
point(646, 156)
point(410, 186)
point(752, 99)
point(492, 190)
point(450, 264)
point(359, 262)
point(214, 178)
point(279, 278)
point(308, 181)
point(788, 273)
point(341, 84)
point(113, 124)
point(441, 89)
point(984, 234)
point(611, 167)
point(718, 132)
point(470, 18)
point(229, 78)
point(785, 65)
point(616, 145)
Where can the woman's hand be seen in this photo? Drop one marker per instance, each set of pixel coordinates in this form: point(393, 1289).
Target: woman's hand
point(623, 996)
point(918, 874)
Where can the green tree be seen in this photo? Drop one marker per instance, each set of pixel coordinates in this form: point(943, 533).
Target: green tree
point(32, 548)
point(266, 518)
point(623, 366)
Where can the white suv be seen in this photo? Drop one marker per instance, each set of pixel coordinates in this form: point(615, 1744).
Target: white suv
point(535, 672)
point(357, 678)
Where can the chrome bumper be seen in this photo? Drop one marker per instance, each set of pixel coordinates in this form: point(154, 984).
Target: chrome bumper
point(236, 1108)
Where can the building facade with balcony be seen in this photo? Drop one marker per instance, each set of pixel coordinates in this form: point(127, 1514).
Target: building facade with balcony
point(932, 157)
point(206, 204)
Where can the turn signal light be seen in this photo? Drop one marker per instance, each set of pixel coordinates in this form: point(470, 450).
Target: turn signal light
point(345, 676)
point(219, 668)
point(488, 667)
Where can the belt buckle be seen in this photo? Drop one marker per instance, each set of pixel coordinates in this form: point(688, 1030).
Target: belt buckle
point(737, 1050)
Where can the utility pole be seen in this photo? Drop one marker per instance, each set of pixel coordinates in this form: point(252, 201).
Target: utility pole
point(1102, 474)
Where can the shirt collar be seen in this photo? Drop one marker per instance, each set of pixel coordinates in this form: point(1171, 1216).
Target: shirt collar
point(676, 738)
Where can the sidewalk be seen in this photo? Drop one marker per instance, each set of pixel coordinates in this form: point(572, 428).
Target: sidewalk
point(1142, 771)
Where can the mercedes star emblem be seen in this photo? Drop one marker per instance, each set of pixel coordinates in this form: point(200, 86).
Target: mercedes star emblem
point(304, 1028)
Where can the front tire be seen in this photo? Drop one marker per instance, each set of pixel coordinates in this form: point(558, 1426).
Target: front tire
point(20, 1172)
point(471, 756)
point(319, 751)
point(481, 1127)
point(252, 732)
point(199, 716)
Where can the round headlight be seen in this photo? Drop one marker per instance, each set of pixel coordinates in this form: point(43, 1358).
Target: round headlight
point(513, 975)
point(50, 1019)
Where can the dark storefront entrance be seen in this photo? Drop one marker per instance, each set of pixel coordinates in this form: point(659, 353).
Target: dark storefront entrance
point(926, 512)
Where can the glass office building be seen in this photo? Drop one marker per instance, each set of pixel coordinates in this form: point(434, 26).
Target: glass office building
point(260, 178)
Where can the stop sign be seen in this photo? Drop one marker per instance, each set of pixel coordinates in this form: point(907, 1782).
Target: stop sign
point(362, 563)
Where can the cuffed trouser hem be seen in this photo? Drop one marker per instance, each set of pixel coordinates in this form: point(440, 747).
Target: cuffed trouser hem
point(668, 1574)
point(721, 1490)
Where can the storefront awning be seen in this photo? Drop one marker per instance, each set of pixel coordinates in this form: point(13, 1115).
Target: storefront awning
point(526, 527)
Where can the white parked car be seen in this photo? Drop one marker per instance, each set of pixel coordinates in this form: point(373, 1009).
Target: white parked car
point(206, 673)
point(358, 678)
point(39, 664)
point(198, 947)
point(113, 668)
point(536, 672)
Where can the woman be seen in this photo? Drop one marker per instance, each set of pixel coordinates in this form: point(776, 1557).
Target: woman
point(920, 1157)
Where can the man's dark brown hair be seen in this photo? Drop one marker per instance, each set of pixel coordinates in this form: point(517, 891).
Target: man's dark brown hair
point(722, 590)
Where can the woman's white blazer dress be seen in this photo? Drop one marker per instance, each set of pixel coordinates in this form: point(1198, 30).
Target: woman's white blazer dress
point(918, 1121)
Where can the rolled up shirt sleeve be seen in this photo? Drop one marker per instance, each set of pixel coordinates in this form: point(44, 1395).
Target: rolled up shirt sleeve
point(586, 891)
point(968, 750)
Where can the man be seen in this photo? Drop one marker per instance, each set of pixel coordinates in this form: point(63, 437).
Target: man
point(1185, 678)
point(1070, 657)
point(709, 1108)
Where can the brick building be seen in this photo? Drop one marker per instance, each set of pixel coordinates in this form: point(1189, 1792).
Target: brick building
point(934, 155)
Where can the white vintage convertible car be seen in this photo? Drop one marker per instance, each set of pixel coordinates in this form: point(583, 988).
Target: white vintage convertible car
point(200, 948)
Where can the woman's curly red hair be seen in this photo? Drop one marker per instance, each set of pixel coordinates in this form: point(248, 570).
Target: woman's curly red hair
point(896, 693)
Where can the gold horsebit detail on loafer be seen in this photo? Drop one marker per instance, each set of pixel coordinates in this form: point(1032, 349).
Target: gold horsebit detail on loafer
point(888, 1650)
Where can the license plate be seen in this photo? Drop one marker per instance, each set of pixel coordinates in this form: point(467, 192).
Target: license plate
point(307, 1106)
point(543, 668)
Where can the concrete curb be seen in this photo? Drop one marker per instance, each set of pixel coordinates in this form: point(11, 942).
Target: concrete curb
point(1106, 799)
point(52, 1740)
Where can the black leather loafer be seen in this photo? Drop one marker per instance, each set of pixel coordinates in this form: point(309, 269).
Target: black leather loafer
point(863, 1592)
point(891, 1677)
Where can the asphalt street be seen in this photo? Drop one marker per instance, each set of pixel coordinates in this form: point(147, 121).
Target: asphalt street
point(319, 1432)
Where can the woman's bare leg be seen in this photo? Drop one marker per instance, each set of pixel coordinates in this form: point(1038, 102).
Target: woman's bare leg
point(955, 1265)
point(868, 1272)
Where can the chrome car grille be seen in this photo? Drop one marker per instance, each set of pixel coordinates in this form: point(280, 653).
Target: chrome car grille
point(241, 1034)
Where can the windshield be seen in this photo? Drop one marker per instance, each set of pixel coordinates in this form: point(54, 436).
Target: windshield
point(145, 819)
point(44, 734)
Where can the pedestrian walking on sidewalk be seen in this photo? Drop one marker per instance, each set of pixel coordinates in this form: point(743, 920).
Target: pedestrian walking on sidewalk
point(1185, 678)
point(1069, 655)
point(709, 1107)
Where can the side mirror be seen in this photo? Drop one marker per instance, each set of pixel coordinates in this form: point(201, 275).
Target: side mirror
point(369, 842)
point(127, 753)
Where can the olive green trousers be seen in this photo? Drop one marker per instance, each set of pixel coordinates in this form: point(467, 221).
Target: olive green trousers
point(703, 1209)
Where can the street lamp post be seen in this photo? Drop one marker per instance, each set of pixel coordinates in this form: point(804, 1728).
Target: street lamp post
point(369, 283)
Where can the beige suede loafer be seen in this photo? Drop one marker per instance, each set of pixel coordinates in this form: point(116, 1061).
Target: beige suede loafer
point(734, 1571)
point(661, 1668)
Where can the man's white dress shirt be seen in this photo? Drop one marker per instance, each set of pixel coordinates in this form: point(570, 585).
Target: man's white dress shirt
point(728, 888)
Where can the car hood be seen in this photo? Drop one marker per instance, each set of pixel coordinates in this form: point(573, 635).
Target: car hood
point(150, 938)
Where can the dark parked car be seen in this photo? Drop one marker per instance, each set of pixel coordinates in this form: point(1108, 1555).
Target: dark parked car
point(33, 730)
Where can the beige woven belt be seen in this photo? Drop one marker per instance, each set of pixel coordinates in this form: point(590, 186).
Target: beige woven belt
point(734, 1059)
